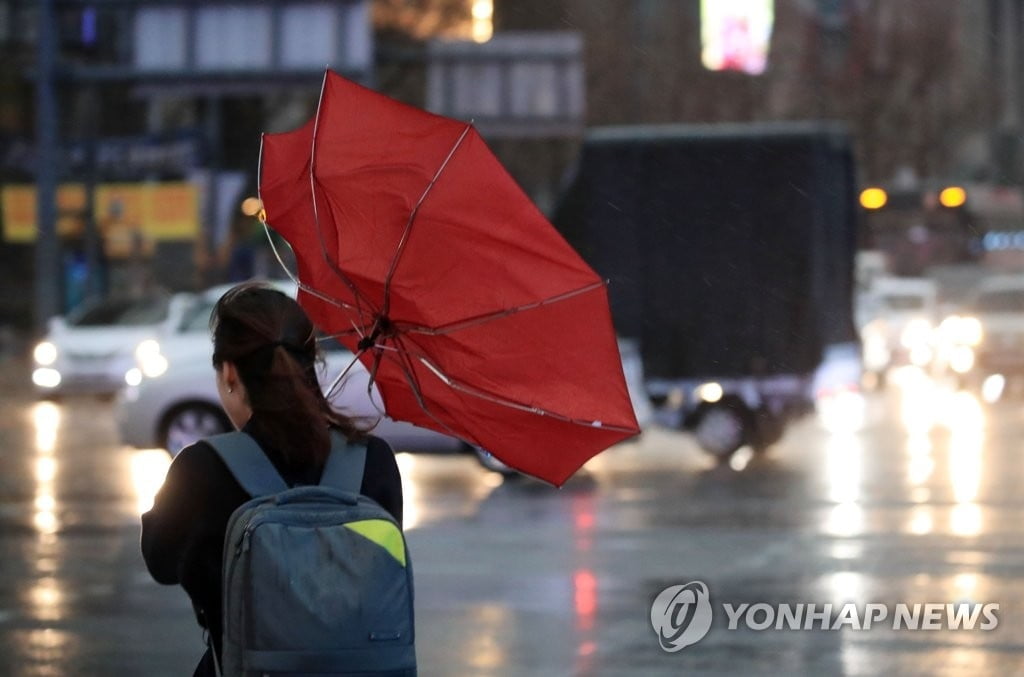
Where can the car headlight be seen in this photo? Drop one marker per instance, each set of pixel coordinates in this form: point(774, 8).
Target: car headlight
point(45, 354)
point(918, 332)
point(960, 330)
point(151, 361)
point(962, 359)
point(710, 392)
point(44, 377)
point(970, 331)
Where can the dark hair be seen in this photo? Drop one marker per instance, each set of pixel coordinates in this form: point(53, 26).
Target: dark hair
point(272, 343)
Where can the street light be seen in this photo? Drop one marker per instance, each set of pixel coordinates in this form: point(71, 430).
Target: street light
point(251, 206)
point(483, 20)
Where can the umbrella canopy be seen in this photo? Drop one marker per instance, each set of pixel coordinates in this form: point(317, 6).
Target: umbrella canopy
point(416, 248)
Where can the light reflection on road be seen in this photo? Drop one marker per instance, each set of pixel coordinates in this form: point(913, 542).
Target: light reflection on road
point(44, 598)
point(46, 419)
point(149, 468)
point(484, 650)
point(932, 411)
point(916, 507)
point(844, 456)
point(845, 587)
point(921, 464)
point(440, 487)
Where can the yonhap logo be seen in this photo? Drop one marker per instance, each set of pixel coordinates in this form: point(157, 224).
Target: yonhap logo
point(681, 615)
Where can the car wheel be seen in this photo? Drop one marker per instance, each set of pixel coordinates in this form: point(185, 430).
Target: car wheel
point(187, 423)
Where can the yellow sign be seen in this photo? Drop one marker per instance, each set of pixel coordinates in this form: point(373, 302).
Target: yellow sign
point(160, 211)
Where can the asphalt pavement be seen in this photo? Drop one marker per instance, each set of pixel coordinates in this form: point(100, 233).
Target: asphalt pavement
point(921, 507)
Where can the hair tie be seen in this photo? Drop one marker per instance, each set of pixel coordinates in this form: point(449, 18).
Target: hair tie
point(297, 351)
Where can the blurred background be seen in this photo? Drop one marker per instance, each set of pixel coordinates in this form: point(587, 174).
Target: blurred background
point(130, 130)
point(811, 217)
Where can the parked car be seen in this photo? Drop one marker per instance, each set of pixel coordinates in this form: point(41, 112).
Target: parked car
point(90, 350)
point(171, 399)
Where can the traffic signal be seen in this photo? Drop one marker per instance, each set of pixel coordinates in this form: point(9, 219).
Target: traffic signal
point(873, 198)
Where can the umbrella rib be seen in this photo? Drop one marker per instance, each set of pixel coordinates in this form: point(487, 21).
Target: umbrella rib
point(410, 376)
point(301, 285)
point(506, 402)
point(412, 217)
point(277, 254)
point(354, 331)
point(373, 379)
point(497, 315)
point(344, 372)
point(331, 264)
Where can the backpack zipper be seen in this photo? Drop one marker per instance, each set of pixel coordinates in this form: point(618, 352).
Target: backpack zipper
point(243, 544)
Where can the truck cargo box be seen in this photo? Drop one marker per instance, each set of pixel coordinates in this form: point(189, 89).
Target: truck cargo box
point(729, 248)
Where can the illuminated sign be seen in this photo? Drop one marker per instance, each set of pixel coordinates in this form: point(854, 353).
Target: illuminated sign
point(736, 34)
point(162, 211)
point(1003, 241)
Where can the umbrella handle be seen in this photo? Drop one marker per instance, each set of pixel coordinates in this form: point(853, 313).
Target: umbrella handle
point(382, 325)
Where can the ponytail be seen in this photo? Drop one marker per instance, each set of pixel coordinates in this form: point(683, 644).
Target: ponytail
point(272, 343)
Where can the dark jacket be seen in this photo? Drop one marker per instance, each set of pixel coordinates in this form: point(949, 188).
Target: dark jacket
point(183, 534)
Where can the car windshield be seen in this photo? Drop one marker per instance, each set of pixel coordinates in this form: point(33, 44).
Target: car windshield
point(1003, 301)
point(904, 302)
point(122, 312)
point(197, 318)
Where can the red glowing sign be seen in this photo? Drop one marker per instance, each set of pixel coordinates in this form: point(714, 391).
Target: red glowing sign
point(736, 34)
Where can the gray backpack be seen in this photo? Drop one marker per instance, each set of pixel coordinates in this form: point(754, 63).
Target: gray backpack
point(316, 579)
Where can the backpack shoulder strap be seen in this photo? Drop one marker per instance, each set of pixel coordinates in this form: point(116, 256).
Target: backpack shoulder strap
point(345, 466)
point(247, 463)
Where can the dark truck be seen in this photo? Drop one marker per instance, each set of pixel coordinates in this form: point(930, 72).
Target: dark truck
point(729, 251)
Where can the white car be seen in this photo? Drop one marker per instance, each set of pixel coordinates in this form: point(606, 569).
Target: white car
point(899, 317)
point(179, 405)
point(171, 396)
point(91, 349)
point(987, 338)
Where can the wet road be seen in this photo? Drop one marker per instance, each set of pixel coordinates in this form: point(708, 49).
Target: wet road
point(924, 505)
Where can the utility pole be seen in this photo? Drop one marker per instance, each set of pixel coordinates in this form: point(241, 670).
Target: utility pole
point(95, 264)
point(1008, 145)
point(47, 264)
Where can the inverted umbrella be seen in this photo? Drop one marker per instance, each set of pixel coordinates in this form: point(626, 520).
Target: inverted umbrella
point(418, 251)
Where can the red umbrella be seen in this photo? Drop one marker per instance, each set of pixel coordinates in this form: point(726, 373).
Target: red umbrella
point(424, 257)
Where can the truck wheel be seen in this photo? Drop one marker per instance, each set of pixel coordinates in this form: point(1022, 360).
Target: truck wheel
point(723, 427)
